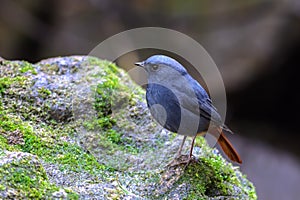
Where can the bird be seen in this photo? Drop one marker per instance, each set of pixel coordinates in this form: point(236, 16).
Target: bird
point(181, 105)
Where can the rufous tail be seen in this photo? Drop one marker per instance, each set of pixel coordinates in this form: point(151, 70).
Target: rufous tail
point(227, 147)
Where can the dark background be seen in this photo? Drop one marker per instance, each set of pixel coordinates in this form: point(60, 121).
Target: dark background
point(255, 44)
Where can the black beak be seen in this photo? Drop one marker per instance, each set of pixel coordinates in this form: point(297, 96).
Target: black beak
point(140, 64)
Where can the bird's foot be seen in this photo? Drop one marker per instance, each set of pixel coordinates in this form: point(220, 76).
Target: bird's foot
point(180, 160)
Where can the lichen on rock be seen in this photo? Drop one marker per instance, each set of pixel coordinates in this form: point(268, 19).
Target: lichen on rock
point(81, 127)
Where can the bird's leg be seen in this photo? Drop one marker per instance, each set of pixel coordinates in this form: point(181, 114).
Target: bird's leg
point(178, 154)
point(188, 161)
point(192, 147)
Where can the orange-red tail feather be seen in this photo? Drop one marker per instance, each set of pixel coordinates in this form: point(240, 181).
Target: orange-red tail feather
point(227, 147)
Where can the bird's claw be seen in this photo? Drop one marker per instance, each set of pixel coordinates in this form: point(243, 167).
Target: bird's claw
point(181, 159)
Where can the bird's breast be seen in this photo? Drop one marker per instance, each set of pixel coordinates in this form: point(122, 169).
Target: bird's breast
point(164, 106)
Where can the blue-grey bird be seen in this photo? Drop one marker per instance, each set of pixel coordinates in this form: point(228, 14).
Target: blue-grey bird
point(181, 105)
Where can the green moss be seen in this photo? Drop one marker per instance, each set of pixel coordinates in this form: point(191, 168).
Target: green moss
point(28, 178)
point(121, 143)
point(17, 67)
point(104, 95)
point(26, 66)
point(206, 179)
point(211, 176)
point(108, 94)
point(4, 144)
point(6, 82)
point(44, 92)
point(69, 156)
point(114, 136)
point(250, 191)
point(2, 187)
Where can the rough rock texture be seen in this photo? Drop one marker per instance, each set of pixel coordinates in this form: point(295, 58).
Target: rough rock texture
point(78, 127)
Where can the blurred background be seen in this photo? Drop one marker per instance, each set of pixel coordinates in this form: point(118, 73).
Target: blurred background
point(255, 44)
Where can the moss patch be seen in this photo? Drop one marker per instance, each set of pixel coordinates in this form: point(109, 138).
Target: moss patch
point(25, 177)
point(207, 177)
point(69, 156)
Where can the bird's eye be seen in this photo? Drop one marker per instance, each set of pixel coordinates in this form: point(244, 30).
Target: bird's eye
point(154, 67)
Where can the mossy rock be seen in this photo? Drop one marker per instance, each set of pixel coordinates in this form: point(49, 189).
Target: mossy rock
point(84, 131)
point(22, 176)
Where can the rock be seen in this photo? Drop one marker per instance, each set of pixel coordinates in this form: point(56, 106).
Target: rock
point(85, 123)
point(22, 176)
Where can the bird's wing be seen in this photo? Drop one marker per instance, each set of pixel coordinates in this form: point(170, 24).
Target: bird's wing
point(202, 108)
point(198, 102)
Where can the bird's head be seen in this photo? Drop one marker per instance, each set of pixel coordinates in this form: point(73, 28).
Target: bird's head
point(162, 67)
